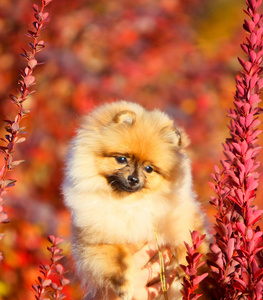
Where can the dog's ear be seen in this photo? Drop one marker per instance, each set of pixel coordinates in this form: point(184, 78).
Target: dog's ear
point(177, 137)
point(124, 116)
point(181, 138)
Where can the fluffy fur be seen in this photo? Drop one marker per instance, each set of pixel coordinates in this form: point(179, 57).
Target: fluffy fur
point(127, 174)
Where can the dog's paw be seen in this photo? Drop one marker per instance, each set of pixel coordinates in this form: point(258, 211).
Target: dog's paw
point(122, 285)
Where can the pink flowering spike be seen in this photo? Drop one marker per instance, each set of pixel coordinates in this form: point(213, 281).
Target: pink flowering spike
point(236, 256)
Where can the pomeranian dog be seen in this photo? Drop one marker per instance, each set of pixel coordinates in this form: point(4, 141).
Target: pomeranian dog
point(128, 175)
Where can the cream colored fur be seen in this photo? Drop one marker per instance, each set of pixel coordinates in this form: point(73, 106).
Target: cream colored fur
point(100, 216)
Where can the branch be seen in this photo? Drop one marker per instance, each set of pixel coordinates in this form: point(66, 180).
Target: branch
point(52, 281)
point(13, 128)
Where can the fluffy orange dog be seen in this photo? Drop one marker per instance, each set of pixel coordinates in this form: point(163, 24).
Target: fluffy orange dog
point(127, 175)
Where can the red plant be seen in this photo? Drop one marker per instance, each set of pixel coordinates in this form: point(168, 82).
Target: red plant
point(191, 280)
point(236, 260)
point(13, 127)
point(52, 281)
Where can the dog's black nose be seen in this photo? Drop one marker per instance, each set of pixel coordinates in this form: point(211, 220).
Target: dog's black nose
point(133, 180)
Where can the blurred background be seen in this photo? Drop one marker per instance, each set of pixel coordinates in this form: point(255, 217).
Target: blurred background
point(179, 56)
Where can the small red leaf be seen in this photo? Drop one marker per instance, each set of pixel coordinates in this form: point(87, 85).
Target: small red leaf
point(249, 154)
point(8, 183)
point(4, 217)
point(60, 269)
point(15, 127)
point(57, 258)
point(47, 282)
point(46, 2)
point(45, 16)
point(247, 66)
point(17, 162)
point(230, 248)
point(246, 108)
point(32, 63)
point(249, 25)
point(21, 140)
point(64, 281)
point(29, 80)
point(252, 184)
point(253, 56)
point(14, 98)
point(250, 233)
point(254, 217)
point(255, 123)
point(241, 227)
point(249, 165)
point(239, 284)
point(58, 240)
point(54, 286)
point(51, 239)
point(229, 155)
point(260, 83)
point(198, 279)
point(35, 7)
point(237, 147)
point(249, 120)
point(35, 287)
point(254, 99)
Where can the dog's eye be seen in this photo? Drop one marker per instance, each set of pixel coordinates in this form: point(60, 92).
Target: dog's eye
point(121, 159)
point(148, 169)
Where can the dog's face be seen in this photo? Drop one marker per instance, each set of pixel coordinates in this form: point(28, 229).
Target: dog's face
point(127, 173)
point(139, 154)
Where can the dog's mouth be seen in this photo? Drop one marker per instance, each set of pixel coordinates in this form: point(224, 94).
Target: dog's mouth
point(121, 186)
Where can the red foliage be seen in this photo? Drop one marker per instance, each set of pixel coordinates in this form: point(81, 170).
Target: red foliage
point(13, 128)
point(46, 285)
point(237, 261)
point(191, 280)
point(52, 281)
point(178, 56)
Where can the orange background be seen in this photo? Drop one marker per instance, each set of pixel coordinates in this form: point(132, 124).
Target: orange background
point(179, 56)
